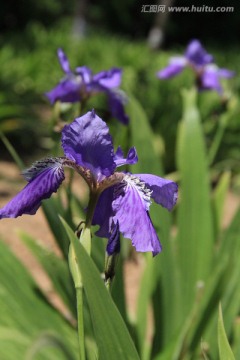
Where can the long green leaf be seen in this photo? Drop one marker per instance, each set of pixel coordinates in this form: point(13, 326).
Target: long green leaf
point(48, 340)
point(219, 197)
point(195, 233)
point(12, 151)
point(230, 299)
point(142, 138)
point(164, 273)
point(25, 313)
point(56, 268)
point(51, 209)
point(225, 351)
point(112, 337)
point(145, 292)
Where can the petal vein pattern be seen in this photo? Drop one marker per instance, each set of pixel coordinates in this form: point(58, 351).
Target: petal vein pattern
point(130, 207)
point(87, 142)
point(42, 183)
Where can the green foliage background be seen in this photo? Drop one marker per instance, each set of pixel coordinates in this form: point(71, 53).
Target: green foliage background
point(30, 68)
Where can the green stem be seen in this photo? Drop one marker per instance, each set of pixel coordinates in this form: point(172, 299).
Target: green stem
point(85, 234)
point(109, 270)
point(85, 239)
point(77, 278)
point(91, 208)
point(69, 193)
point(79, 294)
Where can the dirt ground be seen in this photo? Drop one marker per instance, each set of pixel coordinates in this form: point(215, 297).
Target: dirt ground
point(10, 183)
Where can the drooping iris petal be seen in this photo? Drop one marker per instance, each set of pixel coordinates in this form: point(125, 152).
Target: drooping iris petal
point(68, 90)
point(63, 61)
point(108, 79)
point(210, 79)
point(130, 205)
point(164, 192)
point(197, 55)
point(113, 245)
point(103, 213)
point(225, 73)
point(45, 181)
point(176, 65)
point(39, 166)
point(87, 141)
point(117, 99)
point(132, 157)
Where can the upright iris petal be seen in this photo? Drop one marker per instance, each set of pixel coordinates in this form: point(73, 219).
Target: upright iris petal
point(197, 55)
point(64, 61)
point(85, 74)
point(108, 79)
point(132, 157)
point(87, 141)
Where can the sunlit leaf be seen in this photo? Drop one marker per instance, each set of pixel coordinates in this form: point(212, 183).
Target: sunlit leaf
point(195, 221)
point(225, 351)
point(112, 337)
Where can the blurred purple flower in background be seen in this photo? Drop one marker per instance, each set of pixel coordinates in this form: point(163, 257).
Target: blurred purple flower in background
point(123, 199)
point(208, 74)
point(79, 85)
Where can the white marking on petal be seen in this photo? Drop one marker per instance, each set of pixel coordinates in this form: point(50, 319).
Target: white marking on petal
point(41, 165)
point(141, 187)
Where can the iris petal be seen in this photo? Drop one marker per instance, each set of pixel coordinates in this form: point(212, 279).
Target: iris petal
point(131, 211)
point(164, 192)
point(113, 245)
point(85, 73)
point(210, 80)
point(132, 157)
point(176, 65)
point(117, 100)
point(68, 90)
point(103, 213)
point(211, 76)
point(197, 55)
point(87, 141)
point(43, 183)
point(109, 79)
point(225, 73)
point(63, 61)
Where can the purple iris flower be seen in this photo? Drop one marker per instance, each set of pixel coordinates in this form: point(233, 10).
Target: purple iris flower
point(208, 74)
point(123, 199)
point(81, 84)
